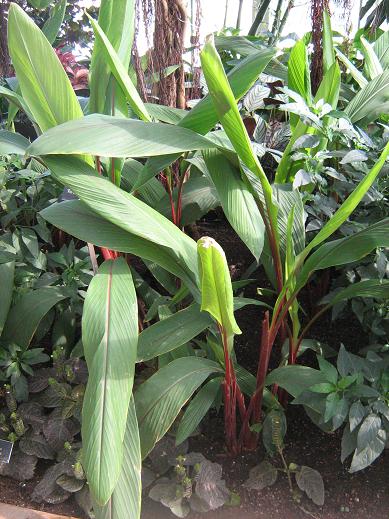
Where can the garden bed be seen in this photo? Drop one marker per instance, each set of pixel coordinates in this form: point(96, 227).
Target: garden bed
point(364, 494)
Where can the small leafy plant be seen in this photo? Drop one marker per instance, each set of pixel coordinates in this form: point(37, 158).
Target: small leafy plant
point(265, 474)
point(47, 428)
point(355, 395)
point(195, 483)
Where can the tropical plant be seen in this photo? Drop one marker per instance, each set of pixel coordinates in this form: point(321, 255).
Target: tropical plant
point(87, 154)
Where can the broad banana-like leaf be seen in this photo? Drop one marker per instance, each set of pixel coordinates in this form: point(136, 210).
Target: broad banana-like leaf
point(109, 337)
point(375, 288)
point(117, 22)
point(228, 113)
point(346, 250)
point(7, 271)
point(236, 200)
point(352, 69)
point(299, 78)
point(39, 4)
point(371, 101)
point(166, 114)
point(329, 92)
point(381, 48)
point(172, 332)
point(197, 409)
point(159, 400)
point(107, 136)
point(76, 219)
point(16, 101)
point(373, 67)
point(118, 63)
point(53, 24)
point(216, 290)
point(45, 87)
point(24, 317)
point(123, 209)
point(294, 378)
point(151, 193)
point(126, 498)
point(203, 117)
point(11, 142)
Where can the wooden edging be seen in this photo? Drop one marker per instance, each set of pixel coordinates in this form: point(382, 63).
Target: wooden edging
point(17, 512)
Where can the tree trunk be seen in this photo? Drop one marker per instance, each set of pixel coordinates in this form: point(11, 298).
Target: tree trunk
point(263, 7)
point(169, 32)
point(5, 63)
point(225, 14)
point(317, 10)
point(239, 19)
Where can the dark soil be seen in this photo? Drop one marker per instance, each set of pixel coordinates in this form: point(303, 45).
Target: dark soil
point(19, 494)
point(364, 495)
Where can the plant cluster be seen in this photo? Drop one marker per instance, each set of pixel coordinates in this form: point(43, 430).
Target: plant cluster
point(46, 427)
point(157, 309)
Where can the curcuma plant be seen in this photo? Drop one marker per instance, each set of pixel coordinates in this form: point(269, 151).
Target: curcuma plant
point(109, 161)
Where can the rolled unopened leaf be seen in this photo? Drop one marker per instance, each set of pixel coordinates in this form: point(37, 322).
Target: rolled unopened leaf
point(216, 288)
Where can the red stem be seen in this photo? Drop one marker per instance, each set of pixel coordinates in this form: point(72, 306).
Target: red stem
point(169, 191)
point(247, 438)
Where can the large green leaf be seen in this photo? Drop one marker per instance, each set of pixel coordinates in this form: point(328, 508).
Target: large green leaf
point(371, 101)
point(109, 337)
point(44, 84)
point(299, 79)
point(76, 219)
point(172, 332)
point(39, 4)
point(126, 498)
point(346, 250)
point(26, 314)
point(117, 22)
point(375, 288)
point(216, 288)
point(228, 113)
point(381, 48)
point(124, 210)
point(159, 400)
point(7, 271)
point(16, 101)
point(237, 202)
point(151, 193)
point(294, 378)
point(108, 136)
point(203, 117)
point(166, 114)
point(112, 54)
point(352, 69)
point(373, 67)
point(198, 408)
point(11, 142)
point(53, 23)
